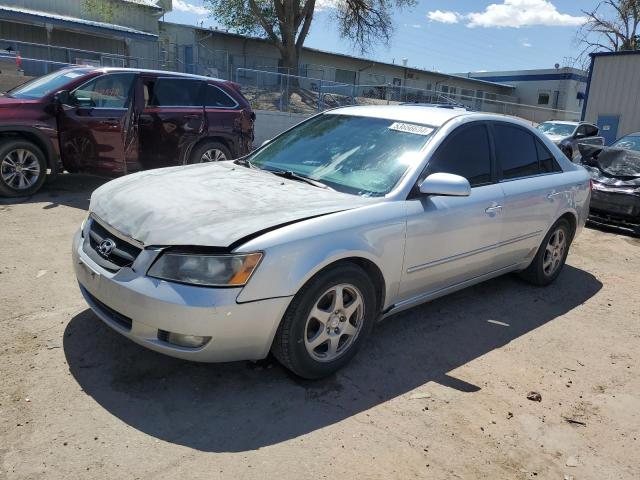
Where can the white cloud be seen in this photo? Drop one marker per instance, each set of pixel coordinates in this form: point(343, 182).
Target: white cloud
point(444, 17)
point(522, 13)
point(182, 6)
point(325, 5)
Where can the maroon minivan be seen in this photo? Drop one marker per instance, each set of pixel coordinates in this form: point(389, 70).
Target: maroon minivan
point(114, 121)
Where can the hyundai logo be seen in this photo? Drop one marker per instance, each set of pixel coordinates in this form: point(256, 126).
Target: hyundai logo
point(106, 247)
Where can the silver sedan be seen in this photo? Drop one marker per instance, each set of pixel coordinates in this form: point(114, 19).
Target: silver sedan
point(347, 218)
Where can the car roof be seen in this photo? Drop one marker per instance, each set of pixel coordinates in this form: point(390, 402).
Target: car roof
point(433, 116)
point(143, 70)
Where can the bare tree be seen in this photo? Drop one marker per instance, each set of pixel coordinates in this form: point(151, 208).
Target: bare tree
point(286, 23)
point(612, 26)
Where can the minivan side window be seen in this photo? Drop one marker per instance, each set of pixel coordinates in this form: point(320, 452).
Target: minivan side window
point(466, 153)
point(106, 91)
point(215, 97)
point(176, 92)
point(516, 152)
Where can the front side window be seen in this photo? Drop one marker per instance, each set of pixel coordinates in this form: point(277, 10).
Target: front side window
point(176, 92)
point(466, 153)
point(106, 91)
point(516, 152)
point(39, 87)
point(359, 155)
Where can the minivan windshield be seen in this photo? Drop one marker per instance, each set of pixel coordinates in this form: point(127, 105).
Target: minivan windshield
point(41, 86)
point(552, 128)
point(364, 156)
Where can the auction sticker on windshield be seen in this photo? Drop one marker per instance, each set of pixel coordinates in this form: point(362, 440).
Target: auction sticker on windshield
point(411, 128)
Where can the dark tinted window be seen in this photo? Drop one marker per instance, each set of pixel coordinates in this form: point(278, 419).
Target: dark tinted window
point(548, 164)
point(590, 130)
point(176, 92)
point(516, 152)
point(215, 97)
point(465, 153)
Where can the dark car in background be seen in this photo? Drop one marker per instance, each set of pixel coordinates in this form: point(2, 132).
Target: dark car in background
point(615, 179)
point(568, 135)
point(114, 121)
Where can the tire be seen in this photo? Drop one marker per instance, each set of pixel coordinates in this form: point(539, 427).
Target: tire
point(23, 168)
point(541, 272)
point(214, 150)
point(303, 345)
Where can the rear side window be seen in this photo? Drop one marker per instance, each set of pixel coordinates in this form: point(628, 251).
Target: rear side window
point(516, 152)
point(548, 164)
point(466, 153)
point(176, 92)
point(215, 97)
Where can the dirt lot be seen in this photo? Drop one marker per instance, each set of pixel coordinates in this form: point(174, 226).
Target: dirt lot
point(439, 392)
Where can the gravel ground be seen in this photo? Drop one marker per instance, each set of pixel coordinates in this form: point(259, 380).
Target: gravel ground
point(440, 391)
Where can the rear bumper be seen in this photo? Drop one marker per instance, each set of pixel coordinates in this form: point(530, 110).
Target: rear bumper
point(143, 308)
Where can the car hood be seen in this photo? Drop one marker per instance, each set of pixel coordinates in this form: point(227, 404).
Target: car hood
point(214, 204)
point(556, 138)
point(612, 167)
point(13, 102)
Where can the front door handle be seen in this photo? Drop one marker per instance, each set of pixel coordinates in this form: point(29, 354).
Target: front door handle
point(493, 209)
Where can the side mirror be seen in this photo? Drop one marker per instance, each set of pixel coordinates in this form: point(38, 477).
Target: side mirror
point(62, 98)
point(446, 184)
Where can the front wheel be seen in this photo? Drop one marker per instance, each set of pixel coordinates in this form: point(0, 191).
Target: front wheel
point(23, 168)
point(551, 256)
point(327, 322)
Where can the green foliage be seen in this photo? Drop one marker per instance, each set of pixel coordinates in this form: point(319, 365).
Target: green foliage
point(105, 10)
point(237, 16)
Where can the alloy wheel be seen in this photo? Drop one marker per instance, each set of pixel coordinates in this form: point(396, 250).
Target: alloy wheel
point(213, 155)
point(20, 169)
point(554, 252)
point(334, 322)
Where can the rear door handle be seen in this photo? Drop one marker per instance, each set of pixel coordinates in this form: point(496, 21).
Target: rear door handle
point(109, 123)
point(553, 194)
point(192, 115)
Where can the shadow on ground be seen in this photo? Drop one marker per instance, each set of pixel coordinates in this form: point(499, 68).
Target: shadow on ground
point(239, 407)
point(72, 190)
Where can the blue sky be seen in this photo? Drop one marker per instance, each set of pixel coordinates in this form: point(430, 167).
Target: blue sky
point(453, 35)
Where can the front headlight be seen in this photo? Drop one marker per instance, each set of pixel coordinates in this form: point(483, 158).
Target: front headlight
point(232, 270)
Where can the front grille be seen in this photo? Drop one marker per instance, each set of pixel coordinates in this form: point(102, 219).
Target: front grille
point(109, 251)
point(110, 313)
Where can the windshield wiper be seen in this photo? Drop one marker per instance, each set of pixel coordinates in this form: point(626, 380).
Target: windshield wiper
point(295, 176)
point(245, 162)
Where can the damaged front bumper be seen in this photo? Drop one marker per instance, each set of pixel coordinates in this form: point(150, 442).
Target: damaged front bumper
point(615, 207)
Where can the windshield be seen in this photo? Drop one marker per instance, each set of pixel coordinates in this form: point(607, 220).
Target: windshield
point(358, 155)
point(551, 128)
point(41, 86)
point(630, 142)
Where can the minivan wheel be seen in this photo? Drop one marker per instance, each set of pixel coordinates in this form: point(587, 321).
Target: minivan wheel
point(327, 322)
point(210, 152)
point(23, 168)
point(551, 256)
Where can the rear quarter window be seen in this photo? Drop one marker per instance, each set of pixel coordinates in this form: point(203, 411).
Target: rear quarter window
point(217, 98)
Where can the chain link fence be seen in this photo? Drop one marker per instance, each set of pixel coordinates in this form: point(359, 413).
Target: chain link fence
point(296, 94)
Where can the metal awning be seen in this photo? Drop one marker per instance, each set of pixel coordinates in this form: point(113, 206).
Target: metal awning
point(73, 23)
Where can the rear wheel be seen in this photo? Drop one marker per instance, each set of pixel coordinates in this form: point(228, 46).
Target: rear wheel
point(210, 152)
point(23, 168)
point(327, 322)
point(551, 256)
